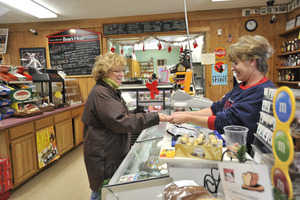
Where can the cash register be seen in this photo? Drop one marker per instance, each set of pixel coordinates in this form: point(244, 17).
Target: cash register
point(193, 103)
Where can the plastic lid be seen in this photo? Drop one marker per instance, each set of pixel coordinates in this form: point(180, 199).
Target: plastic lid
point(183, 104)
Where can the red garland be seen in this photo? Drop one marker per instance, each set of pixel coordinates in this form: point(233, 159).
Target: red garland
point(195, 44)
point(169, 49)
point(113, 49)
point(159, 46)
point(153, 88)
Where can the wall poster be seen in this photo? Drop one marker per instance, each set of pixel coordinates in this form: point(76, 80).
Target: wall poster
point(219, 74)
point(46, 146)
point(3, 40)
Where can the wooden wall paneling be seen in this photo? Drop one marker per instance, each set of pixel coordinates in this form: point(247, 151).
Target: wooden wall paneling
point(294, 13)
point(212, 92)
point(215, 92)
point(85, 84)
point(269, 33)
point(16, 40)
point(214, 14)
point(4, 148)
point(280, 25)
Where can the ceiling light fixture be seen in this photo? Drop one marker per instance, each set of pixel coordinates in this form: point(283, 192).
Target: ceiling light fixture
point(219, 0)
point(31, 8)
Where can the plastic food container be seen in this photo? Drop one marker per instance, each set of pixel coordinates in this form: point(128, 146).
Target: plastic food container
point(235, 136)
point(180, 107)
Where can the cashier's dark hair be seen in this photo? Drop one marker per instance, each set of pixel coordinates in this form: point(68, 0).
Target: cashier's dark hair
point(252, 47)
point(106, 62)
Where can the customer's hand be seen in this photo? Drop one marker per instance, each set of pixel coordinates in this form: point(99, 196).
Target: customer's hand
point(178, 118)
point(162, 117)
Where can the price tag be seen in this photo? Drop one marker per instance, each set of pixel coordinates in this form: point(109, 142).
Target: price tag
point(58, 94)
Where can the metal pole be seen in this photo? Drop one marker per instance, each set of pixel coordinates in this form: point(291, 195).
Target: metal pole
point(189, 44)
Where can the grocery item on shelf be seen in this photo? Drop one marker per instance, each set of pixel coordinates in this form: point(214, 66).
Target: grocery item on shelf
point(28, 111)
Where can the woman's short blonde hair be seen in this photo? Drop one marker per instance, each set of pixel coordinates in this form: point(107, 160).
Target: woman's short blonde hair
point(252, 47)
point(106, 62)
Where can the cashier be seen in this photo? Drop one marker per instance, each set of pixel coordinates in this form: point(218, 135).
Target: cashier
point(108, 123)
point(241, 106)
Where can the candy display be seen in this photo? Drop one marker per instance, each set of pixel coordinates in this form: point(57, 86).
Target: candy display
point(191, 143)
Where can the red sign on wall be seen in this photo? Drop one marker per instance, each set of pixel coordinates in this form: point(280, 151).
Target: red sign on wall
point(220, 52)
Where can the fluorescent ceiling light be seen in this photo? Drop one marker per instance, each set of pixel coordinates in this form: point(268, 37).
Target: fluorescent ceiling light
point(31, 8)
point(219, 0)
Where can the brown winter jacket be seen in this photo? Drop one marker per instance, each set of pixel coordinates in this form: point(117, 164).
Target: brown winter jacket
point(107, 130)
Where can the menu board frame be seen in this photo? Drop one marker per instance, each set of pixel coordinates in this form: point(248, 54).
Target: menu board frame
point(144, 27)
point(74, 50)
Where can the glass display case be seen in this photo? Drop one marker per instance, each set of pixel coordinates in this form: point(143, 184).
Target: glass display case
point(141, 172)
point(135, 95)
point(49, 84)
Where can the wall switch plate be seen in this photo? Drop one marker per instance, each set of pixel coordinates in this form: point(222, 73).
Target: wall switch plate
point(219, 31)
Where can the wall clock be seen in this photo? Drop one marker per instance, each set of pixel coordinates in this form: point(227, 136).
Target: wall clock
point(251, 25)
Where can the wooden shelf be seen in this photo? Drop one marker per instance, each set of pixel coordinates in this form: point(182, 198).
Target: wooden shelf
point(288, 82)
point(295, 67)
point(288, 32)
point(289, 53)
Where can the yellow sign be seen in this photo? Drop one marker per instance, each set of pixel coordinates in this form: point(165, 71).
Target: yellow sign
point(46, 146)
point(284, 107)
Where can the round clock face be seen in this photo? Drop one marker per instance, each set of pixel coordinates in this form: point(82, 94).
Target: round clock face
point(251, 25)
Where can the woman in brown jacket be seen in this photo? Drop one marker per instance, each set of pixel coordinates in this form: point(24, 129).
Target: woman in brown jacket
point(108, 123)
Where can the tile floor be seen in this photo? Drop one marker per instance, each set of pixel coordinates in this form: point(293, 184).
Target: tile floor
point(66, 179)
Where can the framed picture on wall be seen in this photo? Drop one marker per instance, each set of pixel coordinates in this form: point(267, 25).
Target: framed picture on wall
point(298, 20)
point(33, 57)
point(290, 24)
point(164, 75)
point(3, 40)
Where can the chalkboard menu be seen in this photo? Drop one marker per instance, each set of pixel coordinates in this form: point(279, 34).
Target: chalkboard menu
point(144, 27)
point(73, 51)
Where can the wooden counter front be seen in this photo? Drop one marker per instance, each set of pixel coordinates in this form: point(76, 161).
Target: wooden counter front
point(18, 138)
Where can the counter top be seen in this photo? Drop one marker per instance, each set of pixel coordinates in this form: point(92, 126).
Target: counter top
point(14, 121)
point(143, 86)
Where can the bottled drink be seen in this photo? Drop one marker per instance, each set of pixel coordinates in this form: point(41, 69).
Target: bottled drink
point(284, 47)
point(279, 76)
point(296, 44)
point(288, 46)
point(289, 61)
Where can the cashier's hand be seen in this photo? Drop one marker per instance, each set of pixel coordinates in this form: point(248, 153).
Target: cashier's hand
point(162, 117)
point(178, 118)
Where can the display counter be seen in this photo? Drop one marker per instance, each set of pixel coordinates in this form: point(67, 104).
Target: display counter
point(141, 173)
point(139, 94)
point(130, 180)
point(18, 140)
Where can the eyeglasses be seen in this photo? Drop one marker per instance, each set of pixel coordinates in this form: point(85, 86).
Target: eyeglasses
point(119, 71)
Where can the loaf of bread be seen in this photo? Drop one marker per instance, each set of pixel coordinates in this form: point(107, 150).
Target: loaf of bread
point(173, 192)
point(250, 179)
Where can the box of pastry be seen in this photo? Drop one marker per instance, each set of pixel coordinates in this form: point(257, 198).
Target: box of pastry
point(193, 142)
point(200, 147)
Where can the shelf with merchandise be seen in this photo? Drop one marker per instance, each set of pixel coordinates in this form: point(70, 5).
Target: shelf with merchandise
point(289, 59)
point(147, 69)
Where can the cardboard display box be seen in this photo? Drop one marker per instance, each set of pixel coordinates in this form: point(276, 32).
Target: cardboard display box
point(198, 151)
